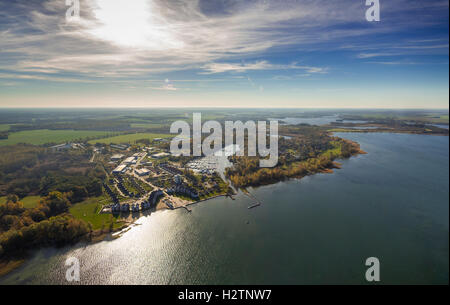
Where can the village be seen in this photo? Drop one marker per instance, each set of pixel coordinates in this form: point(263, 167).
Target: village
point(149, 178)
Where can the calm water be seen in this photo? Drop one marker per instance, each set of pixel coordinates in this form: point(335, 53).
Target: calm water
point(392, 204)
point(324, 120)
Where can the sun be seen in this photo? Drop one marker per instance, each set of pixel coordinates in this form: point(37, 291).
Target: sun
point(133, 24)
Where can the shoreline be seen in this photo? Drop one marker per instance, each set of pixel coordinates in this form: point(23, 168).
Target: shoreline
point(94, 237)
point(97, 236)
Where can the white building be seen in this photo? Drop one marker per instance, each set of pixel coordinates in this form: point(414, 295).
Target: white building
point(129, 160)
point(121, 169)
point(60, 147)
point(142, 172)
point(160, 155)
point(116, 157)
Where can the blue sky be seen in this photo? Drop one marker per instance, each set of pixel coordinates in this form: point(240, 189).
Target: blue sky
point(224, 53)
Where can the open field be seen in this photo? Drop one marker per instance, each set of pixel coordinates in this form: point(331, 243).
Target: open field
point(88, 211)
point(44, 136)
point(4, 127)
point(28, 202)
point(147, 125)
point(130, 138)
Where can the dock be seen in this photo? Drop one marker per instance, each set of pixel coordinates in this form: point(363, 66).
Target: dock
point(254, 205)
point(187, 209)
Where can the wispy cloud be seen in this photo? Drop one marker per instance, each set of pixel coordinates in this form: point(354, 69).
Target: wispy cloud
point(119, 40)
point(213, 68)
point(116, 39)
point(166, 86)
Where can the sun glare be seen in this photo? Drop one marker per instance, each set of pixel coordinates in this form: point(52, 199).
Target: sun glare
point(136, 25)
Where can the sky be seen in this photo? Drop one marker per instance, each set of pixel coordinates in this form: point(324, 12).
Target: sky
point(224, 53)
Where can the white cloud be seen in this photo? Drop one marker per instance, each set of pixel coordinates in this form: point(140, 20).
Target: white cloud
point(212, 68)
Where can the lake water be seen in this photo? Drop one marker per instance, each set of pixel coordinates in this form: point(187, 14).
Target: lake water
point(324, 120)
point(392, 203)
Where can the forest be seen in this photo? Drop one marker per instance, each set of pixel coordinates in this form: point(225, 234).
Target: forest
point(308, 150)
point(33, 170)
point(48, 224)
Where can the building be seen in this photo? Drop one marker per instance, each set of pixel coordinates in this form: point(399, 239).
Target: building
point(130, 160)
point(60, 147)
point(98, 149)
point(154, 196)
point(121, 169)
point(177, 179)
point(142, 172)
point(160, 155)
point(184, 190)
point(119, 146)
point(116, 157)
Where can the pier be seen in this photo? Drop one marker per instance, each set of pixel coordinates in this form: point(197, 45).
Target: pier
point(254, 205)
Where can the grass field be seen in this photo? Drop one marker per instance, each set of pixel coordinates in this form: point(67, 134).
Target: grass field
point(28, 202)
point(147, 125)
point(88, 211)
point(4, 127)
point(130, 138)
point(39, 137)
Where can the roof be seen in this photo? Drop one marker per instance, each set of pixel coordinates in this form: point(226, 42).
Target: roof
point(163, 154)
point(142, 171)
point(120, 168)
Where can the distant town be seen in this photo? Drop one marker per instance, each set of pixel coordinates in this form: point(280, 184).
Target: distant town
point(143, 178)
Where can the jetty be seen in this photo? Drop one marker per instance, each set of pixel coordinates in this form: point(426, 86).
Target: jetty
point(254, 205)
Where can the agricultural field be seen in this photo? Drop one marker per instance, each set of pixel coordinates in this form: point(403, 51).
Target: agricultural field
point(130, 138)
point(45, 136)
point(88, 211)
